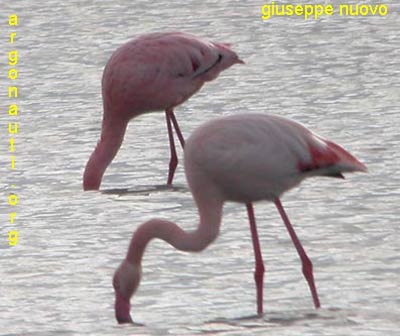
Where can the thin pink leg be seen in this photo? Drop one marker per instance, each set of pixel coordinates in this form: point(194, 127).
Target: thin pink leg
point(259, 272)
point(307, 265)
point(174, 158)
point(177, 129)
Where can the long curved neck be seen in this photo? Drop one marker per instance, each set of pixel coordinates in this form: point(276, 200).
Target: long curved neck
point(210, 212)
point(112, 135)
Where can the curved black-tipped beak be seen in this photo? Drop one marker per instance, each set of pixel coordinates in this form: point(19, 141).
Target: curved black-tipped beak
point(122, 309)
point(124, 319)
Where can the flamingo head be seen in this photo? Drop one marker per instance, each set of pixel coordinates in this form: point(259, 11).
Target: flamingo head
point(125, 282)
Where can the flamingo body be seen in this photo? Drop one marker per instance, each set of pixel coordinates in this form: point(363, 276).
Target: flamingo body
point(243, 158)
point(257, 157)
point(154, 72)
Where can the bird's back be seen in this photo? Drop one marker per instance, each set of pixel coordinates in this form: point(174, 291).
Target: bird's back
point(250, 157)
point(161, 70)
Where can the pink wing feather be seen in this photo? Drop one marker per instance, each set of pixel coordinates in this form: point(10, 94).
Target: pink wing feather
point(330, 158)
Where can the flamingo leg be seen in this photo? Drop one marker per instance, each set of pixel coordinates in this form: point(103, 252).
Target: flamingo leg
point(174, 158)
point(177, 129)
point(307, 265)
point(259, 271)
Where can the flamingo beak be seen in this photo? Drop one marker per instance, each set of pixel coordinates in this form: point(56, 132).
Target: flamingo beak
point(239, 61)
point(122, 309)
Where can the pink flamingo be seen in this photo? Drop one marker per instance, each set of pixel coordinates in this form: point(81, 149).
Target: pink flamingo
point(242, 158)
point(154, 72)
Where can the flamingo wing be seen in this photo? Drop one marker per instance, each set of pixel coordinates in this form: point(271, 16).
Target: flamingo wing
point(255, 156)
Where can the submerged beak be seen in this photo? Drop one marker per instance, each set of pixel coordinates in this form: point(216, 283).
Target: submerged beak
point(122, 309)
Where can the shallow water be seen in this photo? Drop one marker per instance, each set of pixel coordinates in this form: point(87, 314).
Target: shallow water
point(339, 76)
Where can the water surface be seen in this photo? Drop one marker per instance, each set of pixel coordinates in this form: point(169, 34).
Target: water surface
point(339, 76)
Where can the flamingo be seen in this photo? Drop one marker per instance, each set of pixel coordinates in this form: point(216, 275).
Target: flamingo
point(242, 158)
point(154, 72)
